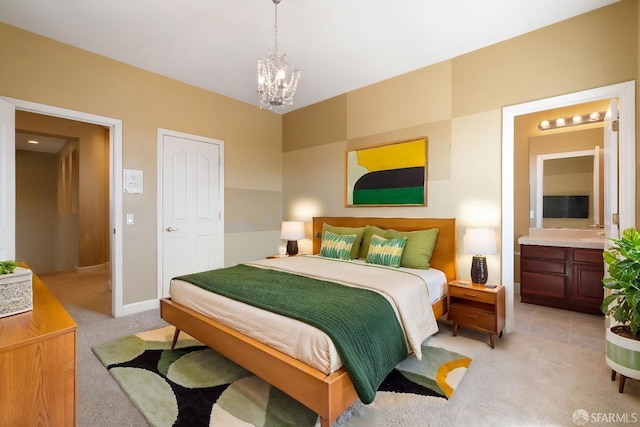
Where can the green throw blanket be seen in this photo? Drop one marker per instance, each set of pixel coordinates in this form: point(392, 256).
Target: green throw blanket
point(361, 323)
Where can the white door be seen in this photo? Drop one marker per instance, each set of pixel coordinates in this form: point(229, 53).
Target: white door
point(192, 222)
point(7, 180)
point(611, 210)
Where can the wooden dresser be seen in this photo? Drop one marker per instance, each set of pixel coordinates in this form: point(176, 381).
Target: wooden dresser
point(38, 364)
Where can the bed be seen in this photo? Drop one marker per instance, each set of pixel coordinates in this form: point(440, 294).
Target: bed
point(328, 392)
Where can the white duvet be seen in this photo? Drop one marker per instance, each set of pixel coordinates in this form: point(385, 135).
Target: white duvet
point(406, 291)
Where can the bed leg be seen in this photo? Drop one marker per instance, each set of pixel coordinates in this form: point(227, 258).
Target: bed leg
point(175, 338)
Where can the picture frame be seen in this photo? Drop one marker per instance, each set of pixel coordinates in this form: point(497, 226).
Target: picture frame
point(389, 174)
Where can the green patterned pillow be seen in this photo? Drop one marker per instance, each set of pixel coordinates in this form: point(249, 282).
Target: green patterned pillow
point(369, 231)
point(386, 251)
point(419, 248)
point(358, 231)
point(337, 245)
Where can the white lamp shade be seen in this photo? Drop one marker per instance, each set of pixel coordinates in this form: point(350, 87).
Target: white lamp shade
point(292, 230)
point(480, 241)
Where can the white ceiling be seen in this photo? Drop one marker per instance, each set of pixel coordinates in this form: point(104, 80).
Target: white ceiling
point(340, 45)
point(42, 143)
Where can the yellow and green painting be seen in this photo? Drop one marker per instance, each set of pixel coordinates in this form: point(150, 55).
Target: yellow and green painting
point(390, 174)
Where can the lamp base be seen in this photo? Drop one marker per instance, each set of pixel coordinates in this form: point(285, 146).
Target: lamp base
point(292, 247)
point(479, 272)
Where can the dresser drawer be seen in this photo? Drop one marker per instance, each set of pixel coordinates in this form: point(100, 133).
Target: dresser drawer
point(588, 255)
point(472, 295)
point(476, 319)
point(544, 252)
point(542, 266)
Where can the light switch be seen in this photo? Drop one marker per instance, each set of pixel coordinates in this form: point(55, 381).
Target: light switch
point(129, 219)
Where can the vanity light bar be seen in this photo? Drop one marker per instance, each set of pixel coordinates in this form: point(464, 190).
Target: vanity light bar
point(563, 122)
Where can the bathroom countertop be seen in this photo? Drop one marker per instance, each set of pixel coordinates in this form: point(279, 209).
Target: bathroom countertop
point(570, 238)
point(569, 242)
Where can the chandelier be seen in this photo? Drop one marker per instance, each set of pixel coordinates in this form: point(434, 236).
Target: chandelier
point(277, 79)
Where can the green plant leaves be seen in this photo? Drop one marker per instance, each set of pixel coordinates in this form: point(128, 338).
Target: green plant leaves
point(7, 267)
point(623, 261)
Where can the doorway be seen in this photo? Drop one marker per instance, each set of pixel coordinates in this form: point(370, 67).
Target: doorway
point(62, 194)
point(115, 193)
point(625, 94)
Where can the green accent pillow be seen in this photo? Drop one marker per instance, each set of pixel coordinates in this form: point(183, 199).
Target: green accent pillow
point(369, 231)
point(336, 245)
point(358, 231)
point(386, 251)
point(419, 248)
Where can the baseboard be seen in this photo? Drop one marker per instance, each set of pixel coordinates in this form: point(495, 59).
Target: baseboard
point(92, 268)
point(139, 307)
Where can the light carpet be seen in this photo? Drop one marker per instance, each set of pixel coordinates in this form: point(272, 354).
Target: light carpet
point(192, 385)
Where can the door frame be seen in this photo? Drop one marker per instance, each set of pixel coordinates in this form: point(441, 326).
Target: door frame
point(159, 188)
point(115, 197)
point(625, 92)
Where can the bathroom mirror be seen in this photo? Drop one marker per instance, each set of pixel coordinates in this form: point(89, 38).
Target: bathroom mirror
point(565, 169)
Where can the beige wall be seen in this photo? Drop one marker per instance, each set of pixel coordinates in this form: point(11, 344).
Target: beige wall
point(41, 70)
point(457, 105)
point(294, 164)
point(36, 209)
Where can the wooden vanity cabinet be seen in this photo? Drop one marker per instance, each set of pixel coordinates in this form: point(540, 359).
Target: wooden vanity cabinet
point(562, 277)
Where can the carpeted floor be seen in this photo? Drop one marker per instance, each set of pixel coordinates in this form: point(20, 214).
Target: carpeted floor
point(194, 386)
point(539, 375)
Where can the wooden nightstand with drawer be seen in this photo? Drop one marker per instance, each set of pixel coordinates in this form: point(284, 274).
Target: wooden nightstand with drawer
point(477, 307)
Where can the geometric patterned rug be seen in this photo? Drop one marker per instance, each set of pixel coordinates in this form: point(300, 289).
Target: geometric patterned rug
point(193, 385)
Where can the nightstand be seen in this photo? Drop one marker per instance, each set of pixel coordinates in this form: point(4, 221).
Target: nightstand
point(477, 307)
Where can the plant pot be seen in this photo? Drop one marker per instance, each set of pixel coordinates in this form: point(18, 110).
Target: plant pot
point(16, 293)
point(622, 356)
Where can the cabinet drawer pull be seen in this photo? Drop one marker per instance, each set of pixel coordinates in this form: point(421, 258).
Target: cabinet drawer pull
point(470, 317)
point(469, 295)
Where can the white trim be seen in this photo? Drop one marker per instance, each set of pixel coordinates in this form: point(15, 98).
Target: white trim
point(625, 92)
point(116, 184)
point(139, 307)
point(92, 268)
point(159, 239)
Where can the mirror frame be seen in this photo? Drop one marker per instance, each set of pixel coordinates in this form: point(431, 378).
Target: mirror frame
point(540, 158)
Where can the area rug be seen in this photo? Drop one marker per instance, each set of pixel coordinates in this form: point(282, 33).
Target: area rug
point(193, 385)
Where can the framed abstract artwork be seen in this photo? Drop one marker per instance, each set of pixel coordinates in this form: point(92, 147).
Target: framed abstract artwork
point(391, 174)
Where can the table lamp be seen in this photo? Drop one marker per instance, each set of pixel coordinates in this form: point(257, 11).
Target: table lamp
point(292, 231)
point(479, 242)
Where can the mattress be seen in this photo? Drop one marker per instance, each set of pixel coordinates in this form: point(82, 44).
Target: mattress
point(292, 337)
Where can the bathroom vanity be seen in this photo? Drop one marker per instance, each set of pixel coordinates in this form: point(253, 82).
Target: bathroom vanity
point(562, 269)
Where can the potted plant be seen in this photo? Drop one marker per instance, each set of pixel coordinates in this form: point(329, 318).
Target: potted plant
point(622, 304)
point(16, 293)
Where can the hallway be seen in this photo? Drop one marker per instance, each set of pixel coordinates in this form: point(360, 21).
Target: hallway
point(85, 296)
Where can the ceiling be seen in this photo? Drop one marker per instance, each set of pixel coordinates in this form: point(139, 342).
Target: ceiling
point(339, 45)
point(40, 142)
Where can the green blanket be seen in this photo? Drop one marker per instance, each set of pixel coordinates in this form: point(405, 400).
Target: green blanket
point(361, 323)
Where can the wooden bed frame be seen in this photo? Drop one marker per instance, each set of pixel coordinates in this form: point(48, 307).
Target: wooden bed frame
point(326, 395)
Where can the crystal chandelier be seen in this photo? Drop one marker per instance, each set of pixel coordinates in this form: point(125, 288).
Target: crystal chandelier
point(277, 79)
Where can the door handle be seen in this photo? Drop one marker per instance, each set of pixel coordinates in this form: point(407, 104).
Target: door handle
point(170, 229)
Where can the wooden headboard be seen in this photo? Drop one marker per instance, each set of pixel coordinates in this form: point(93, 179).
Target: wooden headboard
point(444, 253)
